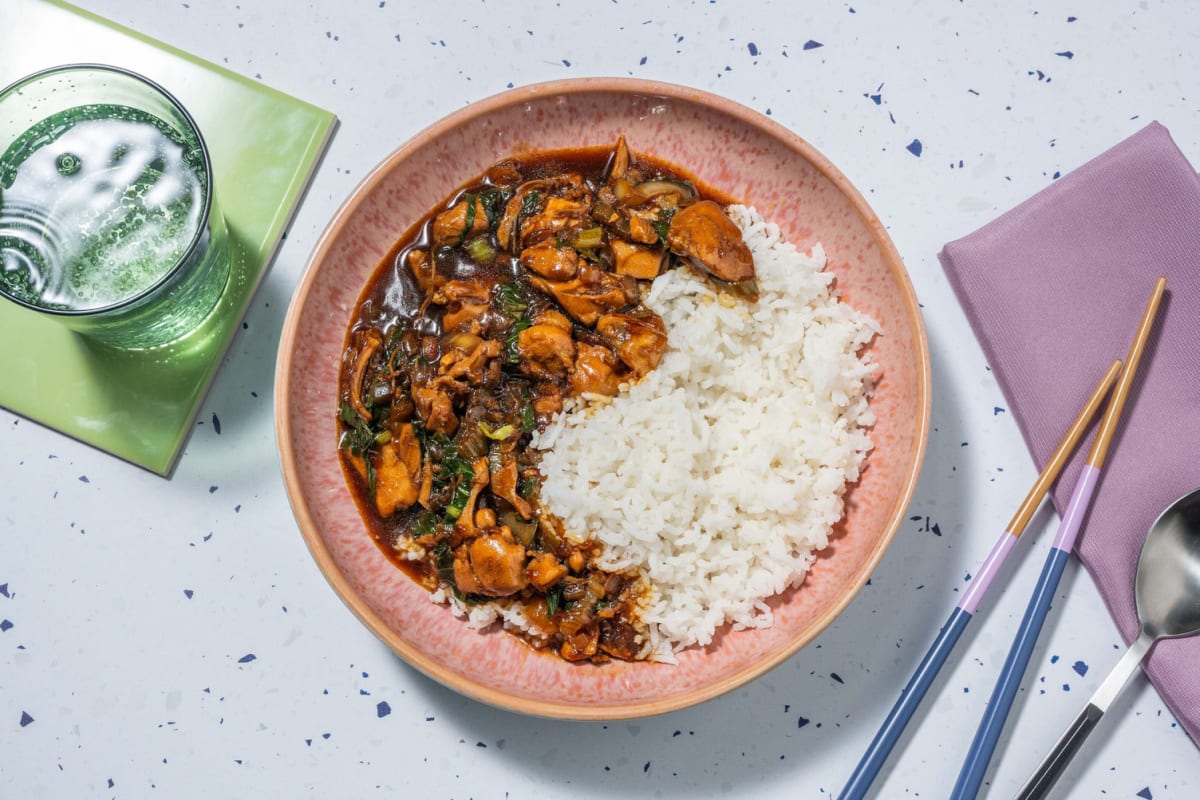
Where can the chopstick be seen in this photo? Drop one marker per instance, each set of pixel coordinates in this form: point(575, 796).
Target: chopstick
point(889, 732)
point(990, 727)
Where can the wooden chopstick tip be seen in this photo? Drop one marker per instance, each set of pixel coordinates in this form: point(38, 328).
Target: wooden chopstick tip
point(1116, 404)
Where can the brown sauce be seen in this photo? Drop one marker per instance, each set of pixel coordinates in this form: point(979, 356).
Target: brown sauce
point(519, 291)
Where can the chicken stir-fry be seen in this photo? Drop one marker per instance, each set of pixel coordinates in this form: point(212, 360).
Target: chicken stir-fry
point(523, 291)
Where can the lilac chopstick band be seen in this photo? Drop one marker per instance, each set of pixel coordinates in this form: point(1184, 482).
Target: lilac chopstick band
point(1077, 508)
point(987, 572)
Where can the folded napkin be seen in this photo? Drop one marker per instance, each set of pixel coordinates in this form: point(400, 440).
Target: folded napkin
point(1054, 290)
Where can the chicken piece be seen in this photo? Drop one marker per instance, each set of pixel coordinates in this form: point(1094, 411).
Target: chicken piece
point(464, 576)
point(558, 214)
point(466, 363)
point(589, 295)
point(544, 570)
point(461, 292)
point(582, 644)
point(496, 562)
point(546, 351)
point(435, 409)
point(643, 263)
point(555, 318)
point(595, 371)
point(704, 233)
point(537, 616)
point(641, 230)
point(458, 222)
point(548, 402)
point(504, 486)
point(525, 200)
point(463, 317)
point(550, 261)
point(638, 341)
point(396, 469)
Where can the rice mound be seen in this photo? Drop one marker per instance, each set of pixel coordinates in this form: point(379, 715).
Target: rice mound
point(719, 474)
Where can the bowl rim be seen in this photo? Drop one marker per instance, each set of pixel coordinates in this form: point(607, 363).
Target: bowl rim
point(299, 503)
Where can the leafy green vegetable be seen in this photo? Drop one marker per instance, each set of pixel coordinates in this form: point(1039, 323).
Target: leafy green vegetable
point(358, 436)
point(370, 475)
point(455, 467)
point(663, 223)
point(511, 354)
point(553, 600)
point(424, 525)
point(531, 203)
point(445, 562)
point(470, 222)
point(493, 204)
point(511, 299)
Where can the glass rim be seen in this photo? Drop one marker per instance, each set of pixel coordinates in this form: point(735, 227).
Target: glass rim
point(208, 188)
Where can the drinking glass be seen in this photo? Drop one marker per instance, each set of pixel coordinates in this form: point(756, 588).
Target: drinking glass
point(108, 222)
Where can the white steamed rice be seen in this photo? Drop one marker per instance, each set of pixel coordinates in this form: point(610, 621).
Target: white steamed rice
point(719, 474)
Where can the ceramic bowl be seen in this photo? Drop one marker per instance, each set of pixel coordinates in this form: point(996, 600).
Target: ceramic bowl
point(725, 145)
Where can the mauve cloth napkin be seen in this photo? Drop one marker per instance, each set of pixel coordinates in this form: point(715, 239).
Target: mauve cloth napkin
point(1054, 290)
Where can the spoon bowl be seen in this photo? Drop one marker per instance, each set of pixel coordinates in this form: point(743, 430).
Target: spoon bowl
point(1167, 588)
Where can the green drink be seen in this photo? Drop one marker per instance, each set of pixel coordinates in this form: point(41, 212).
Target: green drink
point(107, 219)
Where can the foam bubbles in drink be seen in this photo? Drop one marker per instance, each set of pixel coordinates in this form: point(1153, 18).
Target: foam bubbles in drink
point(97, 203)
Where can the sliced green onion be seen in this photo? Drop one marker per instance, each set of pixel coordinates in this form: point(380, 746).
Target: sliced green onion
point(499, 434)
point(510, 299)
point(511, 352)
point(383, 437)
point(589, 239)
point(481, 251)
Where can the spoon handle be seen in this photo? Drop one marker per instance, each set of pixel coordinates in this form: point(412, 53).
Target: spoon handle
point(1056, 761)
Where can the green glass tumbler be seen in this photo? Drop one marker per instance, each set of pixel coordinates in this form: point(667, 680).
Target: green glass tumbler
point(108, 222)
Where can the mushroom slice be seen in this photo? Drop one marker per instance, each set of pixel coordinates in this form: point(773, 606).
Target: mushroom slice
point(372, 341)
point(504, 485)
point(526, 201)
point(620, 161)
point(592, 293)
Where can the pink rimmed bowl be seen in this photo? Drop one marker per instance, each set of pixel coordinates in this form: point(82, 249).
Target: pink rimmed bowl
point(725, 145)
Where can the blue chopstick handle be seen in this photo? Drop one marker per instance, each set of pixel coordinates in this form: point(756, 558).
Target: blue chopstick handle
point(889, 733)
point(970, 778)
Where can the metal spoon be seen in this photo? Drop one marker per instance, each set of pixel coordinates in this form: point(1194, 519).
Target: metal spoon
point(1167, 591)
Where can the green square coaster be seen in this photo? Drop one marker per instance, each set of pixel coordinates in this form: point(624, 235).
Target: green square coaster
point(264, 146)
